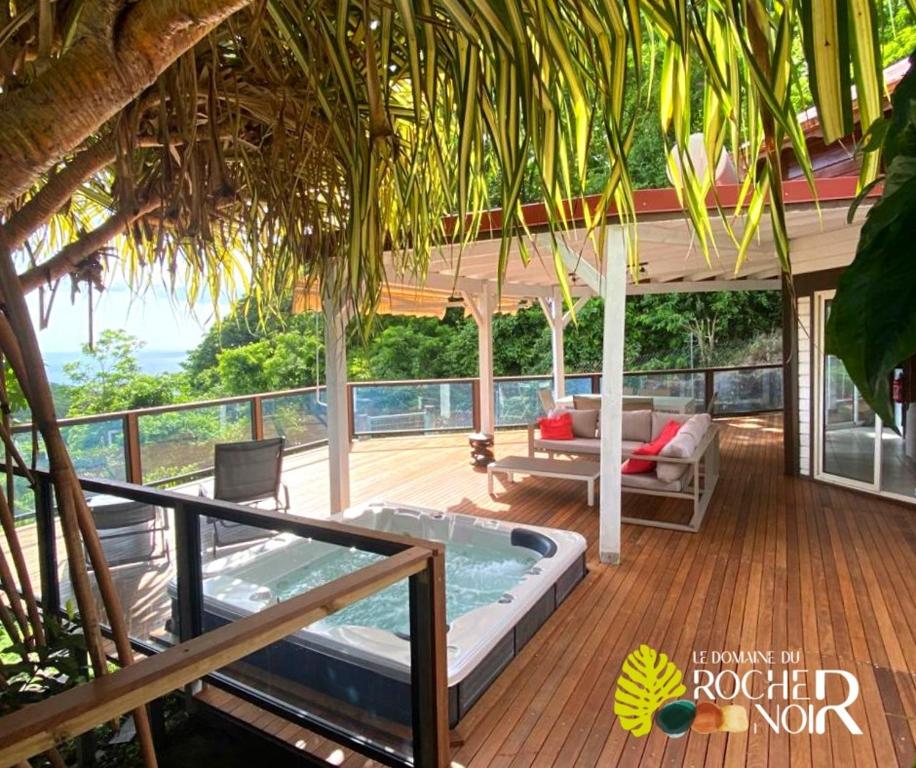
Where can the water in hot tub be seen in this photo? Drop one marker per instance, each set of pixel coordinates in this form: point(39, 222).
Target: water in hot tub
point(474, 576)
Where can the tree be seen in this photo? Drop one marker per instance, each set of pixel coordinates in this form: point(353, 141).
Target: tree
point(108, 378)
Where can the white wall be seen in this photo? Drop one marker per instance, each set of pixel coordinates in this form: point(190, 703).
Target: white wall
point(803, 348)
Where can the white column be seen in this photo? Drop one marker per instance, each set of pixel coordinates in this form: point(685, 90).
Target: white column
point(335, 356)
point(553, 311)
point(614, 291)
point(482, 306)
point(485, 359)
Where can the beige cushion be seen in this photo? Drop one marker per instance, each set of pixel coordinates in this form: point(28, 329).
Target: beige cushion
point(631, 445)
point(668, 472)
point(576, 445)
point(587, 402)
point(660, 419)
point(637, 425)
point(584, 423)
point(685, 442)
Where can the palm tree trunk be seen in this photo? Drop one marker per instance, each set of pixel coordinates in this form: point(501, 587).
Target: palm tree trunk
point(93, 80)
point(20, 344)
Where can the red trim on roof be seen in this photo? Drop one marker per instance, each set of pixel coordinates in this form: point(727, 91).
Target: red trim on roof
point(664, 200)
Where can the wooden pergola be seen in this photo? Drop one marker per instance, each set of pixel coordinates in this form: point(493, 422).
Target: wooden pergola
point(670, 259)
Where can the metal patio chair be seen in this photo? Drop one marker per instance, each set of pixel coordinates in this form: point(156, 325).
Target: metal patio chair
point(248, 473)
point(127, 530)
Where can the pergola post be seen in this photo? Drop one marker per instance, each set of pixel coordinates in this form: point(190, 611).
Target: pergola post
point(553, 311)
point(481, 306)
point(614, 291)
point(335, 355)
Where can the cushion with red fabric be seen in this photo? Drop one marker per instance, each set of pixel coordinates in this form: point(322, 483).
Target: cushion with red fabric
point(558, 427)
point(636, 466)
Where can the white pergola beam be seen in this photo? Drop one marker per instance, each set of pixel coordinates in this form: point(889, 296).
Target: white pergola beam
point(580, 267)
point(614, 293)
point(335, 351)
point(577, 306)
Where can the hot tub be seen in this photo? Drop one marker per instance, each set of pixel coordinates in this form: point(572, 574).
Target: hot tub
point(503, 581)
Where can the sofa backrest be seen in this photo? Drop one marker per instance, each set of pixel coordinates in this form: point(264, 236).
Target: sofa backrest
point(637, 425)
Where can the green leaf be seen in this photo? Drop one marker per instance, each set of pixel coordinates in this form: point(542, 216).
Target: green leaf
point(872, 323)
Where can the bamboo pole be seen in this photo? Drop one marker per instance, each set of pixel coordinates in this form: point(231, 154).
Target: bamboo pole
point(77, 525)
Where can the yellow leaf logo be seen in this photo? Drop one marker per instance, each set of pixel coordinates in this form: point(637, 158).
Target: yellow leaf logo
point(647, 680)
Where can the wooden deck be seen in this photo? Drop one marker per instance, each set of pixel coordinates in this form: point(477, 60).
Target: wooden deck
point(780, 565)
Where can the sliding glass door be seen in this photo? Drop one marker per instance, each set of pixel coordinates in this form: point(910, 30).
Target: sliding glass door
point(852, 446)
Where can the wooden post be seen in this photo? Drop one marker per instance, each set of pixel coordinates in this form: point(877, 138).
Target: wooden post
point(428, 666)
point(614, 290)
point(133, 465)
point(257, 418)
point(553, 311)
point(335, 352)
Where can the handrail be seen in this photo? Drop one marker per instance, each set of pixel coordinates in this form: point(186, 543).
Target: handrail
point(240, 399)
point(39, 727)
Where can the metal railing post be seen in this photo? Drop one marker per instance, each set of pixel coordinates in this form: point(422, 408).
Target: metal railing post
point(428, 670)
point(188, 573)
point(596, 383)
point(47, 545)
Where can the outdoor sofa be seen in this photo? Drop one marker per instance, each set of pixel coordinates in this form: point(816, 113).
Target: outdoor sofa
point(687, 468)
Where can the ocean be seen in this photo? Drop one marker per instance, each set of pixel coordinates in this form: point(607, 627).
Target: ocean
point(150, 360)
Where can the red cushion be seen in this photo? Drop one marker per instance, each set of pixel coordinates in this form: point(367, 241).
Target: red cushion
point(638, 466)
point(557, 427)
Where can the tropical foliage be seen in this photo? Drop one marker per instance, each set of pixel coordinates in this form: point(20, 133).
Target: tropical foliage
point(872, 324)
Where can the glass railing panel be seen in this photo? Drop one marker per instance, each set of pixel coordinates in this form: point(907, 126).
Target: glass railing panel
point(682, 391)
point(96, 448)
point(518, 402)
point(349, 671)
point(22, 503)
point(138, 543)
point(179, 444)
point(405, 408)
point(300, 418)
point(748, 390)
point(578, 385)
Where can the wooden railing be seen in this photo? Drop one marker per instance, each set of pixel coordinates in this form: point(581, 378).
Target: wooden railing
point(201, 655)
point(131, 424)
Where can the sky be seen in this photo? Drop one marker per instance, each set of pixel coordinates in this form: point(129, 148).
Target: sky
point(151, 317)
